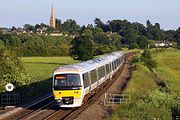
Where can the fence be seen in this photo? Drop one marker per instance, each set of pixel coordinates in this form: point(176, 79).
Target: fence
point(26, 93)
point(116, 99)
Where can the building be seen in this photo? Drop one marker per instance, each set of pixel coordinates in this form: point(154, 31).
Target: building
point(52, 23)
point(163, 43)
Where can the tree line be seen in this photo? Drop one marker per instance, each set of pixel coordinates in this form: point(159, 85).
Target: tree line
point(36, 45)
point(104, 37)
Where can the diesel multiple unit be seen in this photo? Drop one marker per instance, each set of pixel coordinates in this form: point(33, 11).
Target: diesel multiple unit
point(72, 83)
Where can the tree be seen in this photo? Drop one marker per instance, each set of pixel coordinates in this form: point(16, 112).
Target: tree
point(142, 42)
point(131, 36)
point(58, 25)
point(133, 46)
point(102, 38)
point(169, 35)
point(154, 32)
point(102, 49)
point(15, 41)
point(116, 40)
point(82, 48)
point(70, 26)
point(28, 27)
point(100, 24)
point(11, 69)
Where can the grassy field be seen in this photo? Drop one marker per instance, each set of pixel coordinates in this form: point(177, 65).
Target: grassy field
point(169, 68)
point(40, 68)
point(144, 92)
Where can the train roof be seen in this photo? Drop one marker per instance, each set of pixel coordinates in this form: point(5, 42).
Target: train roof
point(90, 64)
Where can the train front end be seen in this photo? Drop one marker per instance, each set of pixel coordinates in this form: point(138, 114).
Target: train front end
point(67, 89)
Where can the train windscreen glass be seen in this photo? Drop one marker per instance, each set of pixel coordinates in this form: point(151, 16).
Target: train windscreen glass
point(66, 81)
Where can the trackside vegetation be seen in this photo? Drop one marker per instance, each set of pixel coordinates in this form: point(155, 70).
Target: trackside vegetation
point(11, 70)
point(154, 92)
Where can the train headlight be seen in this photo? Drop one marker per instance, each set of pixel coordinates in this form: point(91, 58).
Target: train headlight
point(58, 100)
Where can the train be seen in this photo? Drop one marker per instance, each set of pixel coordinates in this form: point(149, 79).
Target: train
point(72, 83)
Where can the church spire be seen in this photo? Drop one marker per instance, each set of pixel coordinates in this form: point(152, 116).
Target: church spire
point(52, 18)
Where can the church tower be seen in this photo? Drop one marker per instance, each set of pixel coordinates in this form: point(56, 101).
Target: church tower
point(52, 18)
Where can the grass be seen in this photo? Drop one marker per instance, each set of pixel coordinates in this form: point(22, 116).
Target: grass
point(141, 84)
point(126, 50)
point(169, 68)
point(40, 68)
point(142, 81)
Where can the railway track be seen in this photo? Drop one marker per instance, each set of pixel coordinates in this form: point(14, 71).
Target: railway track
point(70, 114)
point(48, 110)
point(30, 109)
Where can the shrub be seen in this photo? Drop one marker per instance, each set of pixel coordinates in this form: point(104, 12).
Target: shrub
point(133, 46)
point(150, 64)
point(163, 99)
point(11, 69)
point(136, 59)
point(140, 111)
point(103, 49)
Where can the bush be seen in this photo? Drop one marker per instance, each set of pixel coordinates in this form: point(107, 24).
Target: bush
point(136, 59)
point(163, 99)
point(140, 111)
point(133, 46)
point(150, 64)
point(103, 49)
point(148, 61)
point(11, 69)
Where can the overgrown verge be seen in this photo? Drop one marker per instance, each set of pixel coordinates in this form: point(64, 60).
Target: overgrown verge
point(12, 71)
point(151, 98)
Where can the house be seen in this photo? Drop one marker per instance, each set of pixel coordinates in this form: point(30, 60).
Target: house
point(163, 43)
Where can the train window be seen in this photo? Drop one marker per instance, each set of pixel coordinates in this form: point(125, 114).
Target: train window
point(120, 60)
point(101, 72)
point(107, 68)
point(110, 67)
point(86, 80)
point(63, 81)
point(93, 76)
point(114, 64)
point(117, 62)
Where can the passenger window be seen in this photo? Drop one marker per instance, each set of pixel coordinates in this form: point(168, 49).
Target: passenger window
point(107, 69)
point(93, 76)
point(101, 72)
point(86, 80)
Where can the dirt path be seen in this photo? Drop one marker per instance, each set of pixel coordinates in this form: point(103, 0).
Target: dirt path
point(97, 111)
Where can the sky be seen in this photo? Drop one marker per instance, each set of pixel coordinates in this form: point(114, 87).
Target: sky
point(20, 12)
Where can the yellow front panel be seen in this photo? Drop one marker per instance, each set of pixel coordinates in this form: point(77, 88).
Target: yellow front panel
point(67, 93)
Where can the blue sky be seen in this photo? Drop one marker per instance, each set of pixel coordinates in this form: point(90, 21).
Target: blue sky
point(19, 12)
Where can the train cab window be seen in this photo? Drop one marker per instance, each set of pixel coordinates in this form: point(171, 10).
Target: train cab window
point(66, 81)
point(86, 80)
point(101, 72)
point(93, 76)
